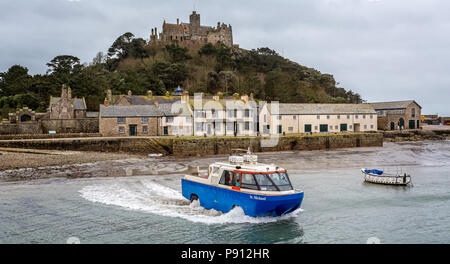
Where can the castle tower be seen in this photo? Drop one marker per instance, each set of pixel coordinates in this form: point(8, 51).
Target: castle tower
point(194, 20)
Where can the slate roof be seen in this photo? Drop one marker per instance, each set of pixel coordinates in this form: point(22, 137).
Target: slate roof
point(140, 110)
point(393, 105)
point(92, 114)
point(78, 103)
point(321, 109)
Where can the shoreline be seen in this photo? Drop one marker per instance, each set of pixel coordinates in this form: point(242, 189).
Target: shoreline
point(32, 164)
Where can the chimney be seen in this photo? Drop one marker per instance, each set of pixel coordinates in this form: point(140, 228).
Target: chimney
point(109, 95)
point(185, 97)
point(178, 21)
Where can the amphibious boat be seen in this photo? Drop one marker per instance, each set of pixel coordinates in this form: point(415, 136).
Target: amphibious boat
point(259, 189)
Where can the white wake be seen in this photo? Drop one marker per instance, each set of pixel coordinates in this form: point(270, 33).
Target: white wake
point(149, 196)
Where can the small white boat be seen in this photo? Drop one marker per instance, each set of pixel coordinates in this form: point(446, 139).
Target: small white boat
point(380, 177)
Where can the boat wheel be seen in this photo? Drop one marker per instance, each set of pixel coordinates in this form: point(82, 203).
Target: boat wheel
point(194, 197)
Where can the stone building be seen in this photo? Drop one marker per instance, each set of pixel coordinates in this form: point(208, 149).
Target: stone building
point(194, 32)
point(66, 107)
point(316, 118)
point(398, 115)
point(147, 115)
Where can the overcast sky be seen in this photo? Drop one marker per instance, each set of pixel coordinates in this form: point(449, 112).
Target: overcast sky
point(383, 49)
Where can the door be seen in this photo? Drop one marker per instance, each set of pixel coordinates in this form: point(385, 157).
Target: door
point(323, 128)
point(133, 130)
point(166, 130)
point(392, 126)
point(401, 123)
point(280, 129)
point(308, 128)
point(412, 124)
point(209, 129)
point(343, 127)
point(356, 127)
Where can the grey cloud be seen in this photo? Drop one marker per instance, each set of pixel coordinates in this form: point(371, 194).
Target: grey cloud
point(384, 50)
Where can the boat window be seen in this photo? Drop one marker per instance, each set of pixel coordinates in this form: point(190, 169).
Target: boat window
point(215, 170)
point(281, 180)
point(248, 182)
point(227, 178)
point(264, 183)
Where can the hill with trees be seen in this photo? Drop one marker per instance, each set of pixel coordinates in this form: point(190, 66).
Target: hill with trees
point(132, 64)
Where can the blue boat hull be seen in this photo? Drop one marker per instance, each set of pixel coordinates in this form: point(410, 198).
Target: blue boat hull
point(221, 199)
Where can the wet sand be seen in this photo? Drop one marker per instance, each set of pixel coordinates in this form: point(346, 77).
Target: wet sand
point(22, 158)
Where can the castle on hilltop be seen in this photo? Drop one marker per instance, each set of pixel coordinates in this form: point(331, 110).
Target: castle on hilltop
point(194, 32)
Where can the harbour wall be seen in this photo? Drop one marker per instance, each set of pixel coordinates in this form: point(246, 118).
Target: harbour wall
point(199, 146)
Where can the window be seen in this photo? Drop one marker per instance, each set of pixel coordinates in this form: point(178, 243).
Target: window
point(121, 120)
point(199, 126)
point(291, 129)
point(218, 126)
point(248, 182)
point(348, 116)
point(331, 127)
point(281, 180)
point(200, 114)
point(318, 117)
point(265, 118)
point(365, 126)
point(264, 183)
point(294, 117)
point(371, 116)
point(214, 113)
point(144, 129)
point(364, 116)
point(121, 130)
point(229, 178)
point(356, 116)
point(371, 126)
point(307, 128)
point(247, 113)
point(336, 127)
point(247, 126)
point(169, 119)
point(350, 126)
point(144, 120)
point(316, 128)
point(338, 117)
point(188, 119)
point(279, 117)
point(413, 112)
point(232, 113)
point(230, 126)
point(328, 117)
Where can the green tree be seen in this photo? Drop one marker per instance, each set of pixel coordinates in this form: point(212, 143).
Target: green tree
point(15, 80)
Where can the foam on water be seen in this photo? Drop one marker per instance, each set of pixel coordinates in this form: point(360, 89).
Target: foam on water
point(149, 196)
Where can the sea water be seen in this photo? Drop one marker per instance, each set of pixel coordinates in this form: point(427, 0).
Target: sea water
point(147, 206)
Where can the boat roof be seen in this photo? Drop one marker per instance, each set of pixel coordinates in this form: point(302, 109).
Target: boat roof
point(251, 167)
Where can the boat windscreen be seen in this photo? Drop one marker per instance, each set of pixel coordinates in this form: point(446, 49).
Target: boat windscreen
point(264, 183)
point(281, 180)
